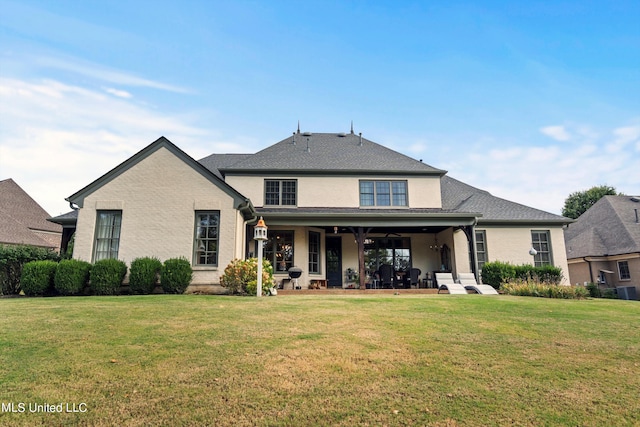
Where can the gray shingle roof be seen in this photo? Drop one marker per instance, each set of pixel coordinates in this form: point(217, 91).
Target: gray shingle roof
point(215, 162)
point(465, 198)
point(329, 152)
point(609, 227)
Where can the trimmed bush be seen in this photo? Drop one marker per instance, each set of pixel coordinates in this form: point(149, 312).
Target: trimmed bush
point(13, 258)
point(107, 276)
point(241, 276)
point(144, 274)
point(496, 273)
point(72, 276)
point(37, 278)
point(176, 275)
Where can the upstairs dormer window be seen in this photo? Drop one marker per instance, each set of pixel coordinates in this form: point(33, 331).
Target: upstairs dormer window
point(280, 192)
point(383, 193)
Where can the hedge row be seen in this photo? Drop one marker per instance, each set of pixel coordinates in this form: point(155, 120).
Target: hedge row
point(496, 273)
point(13, 258)
point(105, 277)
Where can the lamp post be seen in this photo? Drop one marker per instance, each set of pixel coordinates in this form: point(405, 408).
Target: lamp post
point(260, 235)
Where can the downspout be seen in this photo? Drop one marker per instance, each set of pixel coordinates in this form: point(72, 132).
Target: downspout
point(590, 271)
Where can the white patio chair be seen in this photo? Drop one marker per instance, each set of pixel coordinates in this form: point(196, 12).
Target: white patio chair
point(468, 280)
point(446, 283)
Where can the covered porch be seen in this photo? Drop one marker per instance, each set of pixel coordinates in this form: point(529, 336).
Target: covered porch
point(367, 248)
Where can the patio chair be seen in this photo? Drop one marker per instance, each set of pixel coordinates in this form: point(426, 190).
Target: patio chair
point(468, 280)
point(446, 283)
point(386, 275)
point(414, 277)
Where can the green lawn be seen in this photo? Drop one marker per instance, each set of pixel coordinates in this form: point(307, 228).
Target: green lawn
point(440, 360)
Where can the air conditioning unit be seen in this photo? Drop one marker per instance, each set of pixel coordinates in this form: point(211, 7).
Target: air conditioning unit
point(627, 292)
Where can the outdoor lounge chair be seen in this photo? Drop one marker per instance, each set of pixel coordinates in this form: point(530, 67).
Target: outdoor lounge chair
point(446, 283)
point(468, 280)
point(386, 275)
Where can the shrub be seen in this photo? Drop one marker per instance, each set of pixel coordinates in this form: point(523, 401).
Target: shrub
point(37, 278)
point(594, 290)
point(107, 276)
point(241, 276)
point(496, 273)
point(12, 258)
point(143, 275)
point(176, 275)
point(71, 277)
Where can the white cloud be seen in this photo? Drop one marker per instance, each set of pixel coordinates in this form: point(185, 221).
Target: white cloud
point(119, 93)
point(56, 138)
point(559, 133)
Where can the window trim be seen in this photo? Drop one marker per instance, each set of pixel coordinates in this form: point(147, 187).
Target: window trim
point(391, 195)
point(628, 272)
point(196, 252)
point(116, 213)
point(281, 192)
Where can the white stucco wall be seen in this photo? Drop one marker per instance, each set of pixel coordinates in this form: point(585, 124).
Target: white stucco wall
point(338, 191)
point(158, 198)
point(512, 244)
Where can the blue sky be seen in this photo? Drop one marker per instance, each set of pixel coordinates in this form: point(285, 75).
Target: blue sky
point(528, 100)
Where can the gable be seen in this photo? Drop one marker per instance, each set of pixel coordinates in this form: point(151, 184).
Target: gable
point(161, 143)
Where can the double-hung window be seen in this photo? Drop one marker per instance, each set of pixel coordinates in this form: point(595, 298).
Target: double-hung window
point(280, 192)
point(207, 238)
point(383, 193)
point(107, 237)
point(541, 242)
point(481, 248)
point(314, 252)
point(623, 270)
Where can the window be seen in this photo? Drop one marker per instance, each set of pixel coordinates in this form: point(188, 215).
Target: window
point(383, 193)
point(623, 270)
point(392, 251)
point(541, 242)
point(206, 238)
point(314, 252)
point(108, 225)
point(280, 192)
point(481, 248)
point(278, 249)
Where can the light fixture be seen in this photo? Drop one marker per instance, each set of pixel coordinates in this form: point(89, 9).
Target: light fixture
point(435, 246)
point(533, 251)
point(335, 230)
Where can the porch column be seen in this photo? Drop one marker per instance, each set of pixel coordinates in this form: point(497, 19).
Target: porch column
point(360, 236)
point(470, 231)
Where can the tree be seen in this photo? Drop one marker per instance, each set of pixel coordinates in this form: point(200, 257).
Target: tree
point(577, 203)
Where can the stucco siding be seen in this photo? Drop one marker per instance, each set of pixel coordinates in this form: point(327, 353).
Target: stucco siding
point(341, 191)
point(512, 244)
point(158, 198)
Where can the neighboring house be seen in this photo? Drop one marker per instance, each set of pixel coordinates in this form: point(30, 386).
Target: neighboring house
point(603, 244)
point(334, 204)
point(23, 221)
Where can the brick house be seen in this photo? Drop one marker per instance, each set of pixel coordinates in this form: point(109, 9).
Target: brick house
point(603, 244)
point(337, 205)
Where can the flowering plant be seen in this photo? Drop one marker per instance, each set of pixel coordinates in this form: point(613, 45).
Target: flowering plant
point(241, 276)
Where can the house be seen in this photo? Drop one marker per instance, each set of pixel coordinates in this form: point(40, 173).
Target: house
point(23, 221)
point(603, 244)
point(337, 205)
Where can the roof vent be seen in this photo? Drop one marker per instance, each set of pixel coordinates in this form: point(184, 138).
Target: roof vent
point(342, 135)
point(635, 199)
point(307, 134)
point(294, 139)
point(360, 144)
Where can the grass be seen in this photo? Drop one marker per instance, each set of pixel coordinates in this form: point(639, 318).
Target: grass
point(320, 360)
